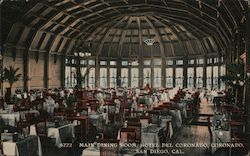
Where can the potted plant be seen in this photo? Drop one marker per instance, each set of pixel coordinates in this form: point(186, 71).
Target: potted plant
point(11, 76)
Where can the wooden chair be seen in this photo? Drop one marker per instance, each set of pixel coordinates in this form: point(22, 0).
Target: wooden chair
point(243, 138)
point(128, 135)
point(30, 119)
point(137, 127)
point(42, 132)
point(110, 150)
point(145, 119)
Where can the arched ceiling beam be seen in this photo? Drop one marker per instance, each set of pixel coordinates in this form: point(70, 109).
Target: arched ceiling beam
point(217, 24)
point(158, 37)
point(85, 24)
point(123, 36)
point(139, 35)
point(94, 32)
point(172, 31)
point(192, 27)
point(99, 49)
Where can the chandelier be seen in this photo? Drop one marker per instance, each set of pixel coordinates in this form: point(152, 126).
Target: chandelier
point(149, 42)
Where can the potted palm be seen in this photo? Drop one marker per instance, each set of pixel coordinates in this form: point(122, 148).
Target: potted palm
point(11, 76)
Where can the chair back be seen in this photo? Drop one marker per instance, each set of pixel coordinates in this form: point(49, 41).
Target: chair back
point(41, 128)
point(137, 127)
point(128, 135)
point(111, 150)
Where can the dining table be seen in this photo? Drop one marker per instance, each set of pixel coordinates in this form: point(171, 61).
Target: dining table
point(96, 119)
point(61, 134)
point(11, 118)
point(91, 151)
point(176, 118)
point(220, 136)
point(123, 151)
point(151, 135)
point(24, 146)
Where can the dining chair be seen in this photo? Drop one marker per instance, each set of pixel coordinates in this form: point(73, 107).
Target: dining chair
point(42, 131)
point(128, 135)
point(112, 150)
point(137, 127)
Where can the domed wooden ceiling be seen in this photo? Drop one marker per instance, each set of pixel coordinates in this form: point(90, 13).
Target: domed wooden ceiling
point(118, 28)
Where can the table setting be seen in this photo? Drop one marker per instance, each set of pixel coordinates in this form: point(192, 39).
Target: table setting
point(220, 129)
point(20, 144)
point(61, 131)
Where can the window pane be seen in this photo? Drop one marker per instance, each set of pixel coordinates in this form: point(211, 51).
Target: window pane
point(83, 62)
point(91, 62)
point(179, 78)
point(112, 63)
point(103, 78)
point(190, 78)
point(67, 77)
point(200, 61)
point(134, 77)
point(73, 77)
point(157, 77)
point(92, 78)
point(169, 62)
point(84, 79)
point(124, 77)
point(179, 62)
point(157, 62)
point(169, 77)
point(66, 61)
point(191, 61)
point(209, 77)
point(215, 77)
point(103, 63)
point(124, 63)
point(146, 76)
point(147, 62)
point(134, 63)
point(216, 60)
point(222, 73)
point(113, 77)
point(73, 61)
point(199, 77)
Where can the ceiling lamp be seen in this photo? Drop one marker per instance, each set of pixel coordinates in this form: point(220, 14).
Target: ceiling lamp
point(149, 42)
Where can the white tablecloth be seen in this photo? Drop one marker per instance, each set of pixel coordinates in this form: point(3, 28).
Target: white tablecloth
point(91, 151)
point(11, 149)
point(177, 120)
point(60, 133)
point(169, 128)
point(11, 118)
point(96, 119)
point(150, 135)
point(220, 136)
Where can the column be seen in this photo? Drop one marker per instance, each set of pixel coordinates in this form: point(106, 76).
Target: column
point(26, 70)
point(46, 69)
point(248, 68)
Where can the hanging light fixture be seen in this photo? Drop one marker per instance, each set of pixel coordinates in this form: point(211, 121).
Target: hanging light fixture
point(149, 41)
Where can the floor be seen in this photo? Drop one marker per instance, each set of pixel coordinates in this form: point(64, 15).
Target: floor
point(189, 133)
point(196, 133)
